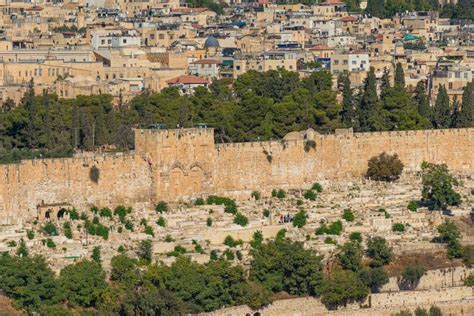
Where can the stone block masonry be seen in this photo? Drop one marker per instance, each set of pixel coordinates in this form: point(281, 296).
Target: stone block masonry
point(180, 164)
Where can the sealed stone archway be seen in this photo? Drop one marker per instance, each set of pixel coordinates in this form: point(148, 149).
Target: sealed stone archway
point(53, 211)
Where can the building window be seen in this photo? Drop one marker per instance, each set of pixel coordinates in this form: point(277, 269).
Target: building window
point(336, 62)
point(344, 62)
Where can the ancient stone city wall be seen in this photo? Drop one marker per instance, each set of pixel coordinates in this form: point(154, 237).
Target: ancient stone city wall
point(178, 164)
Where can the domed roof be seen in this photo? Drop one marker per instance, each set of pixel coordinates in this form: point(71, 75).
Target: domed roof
point(211, 41)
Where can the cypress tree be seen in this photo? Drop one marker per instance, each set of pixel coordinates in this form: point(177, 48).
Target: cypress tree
point(47, 121)
point(455, 118)
point(466, 115)
point(29, 102)
point(347, 113)
point(399, 76)
point(369, 112)
point(441, 111)
point(422, 102)
point(385, 83)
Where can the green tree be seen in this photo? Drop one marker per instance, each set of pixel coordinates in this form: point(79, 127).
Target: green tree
point(124, 269)
point(350, 256)
point(299, 220)
point(96, 254)
point(466, 115)
point(399, 76)
point(341, 288)
point(369, 109)
point(422, 101)
point(411, 277)
point(374, 278)
point(385, 83)
point(376, 8)
point(29, 282)
point(347, 113)
point(150, 300)
point(435, 311)
point(379, 251)
point(441, 110)
point(385, 167)
point(82, 283)
point(22, 250)
point(145, 251)
point(283, 265)
point(438, 185)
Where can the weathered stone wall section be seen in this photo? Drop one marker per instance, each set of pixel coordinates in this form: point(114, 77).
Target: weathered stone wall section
point(175, 165)
point(242, 167)
point(124, 179)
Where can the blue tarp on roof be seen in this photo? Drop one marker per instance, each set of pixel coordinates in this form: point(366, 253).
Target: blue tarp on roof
point(410, 37)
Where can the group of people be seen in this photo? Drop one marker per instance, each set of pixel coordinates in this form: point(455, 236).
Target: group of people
point(285, 219)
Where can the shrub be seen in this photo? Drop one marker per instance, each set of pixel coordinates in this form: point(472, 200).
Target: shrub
point(50, 243)
point(468, 256)
point(355, 236)
point(11, 243)
point(84, 216)
point(335, 228)
point(239, 255)
point(231, 242)
point(121, 249)
point(281, 234)
point(281, 194)
point(161, 207)
point(168, 238)
point(329, 240)
point(178, 250)
point(94, 210)
point(105, 212)
point(299, 202)
point(209, 222)
point(199, 201)
point(145, 251)
point(94, 174)
point(310, 195)
point(129, 225)
point(469, 280)
point(73, 214)
point(398, 227)
point(257, 239)
point(348, 215)
point(95, 220)
point(149, 231)
point(213, 255)
point(274, 193)
point(50, 229)
point(413, 206)
point(122, 211)
point(385, 167)
point(317, 187)
point(97, 230)
point(161, 222)
point(67, 230)
point(22, 250)
point(300, 219)
point(96, 254)
point(256, 195)
point(198, 249)
point(143, 221)
point(229, 205)
point(241, 219)
point(229, 255)
point(120, 230)
point(30, 234)
point(266, 212)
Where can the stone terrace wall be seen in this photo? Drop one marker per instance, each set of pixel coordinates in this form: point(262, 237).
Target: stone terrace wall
point(123, 179)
